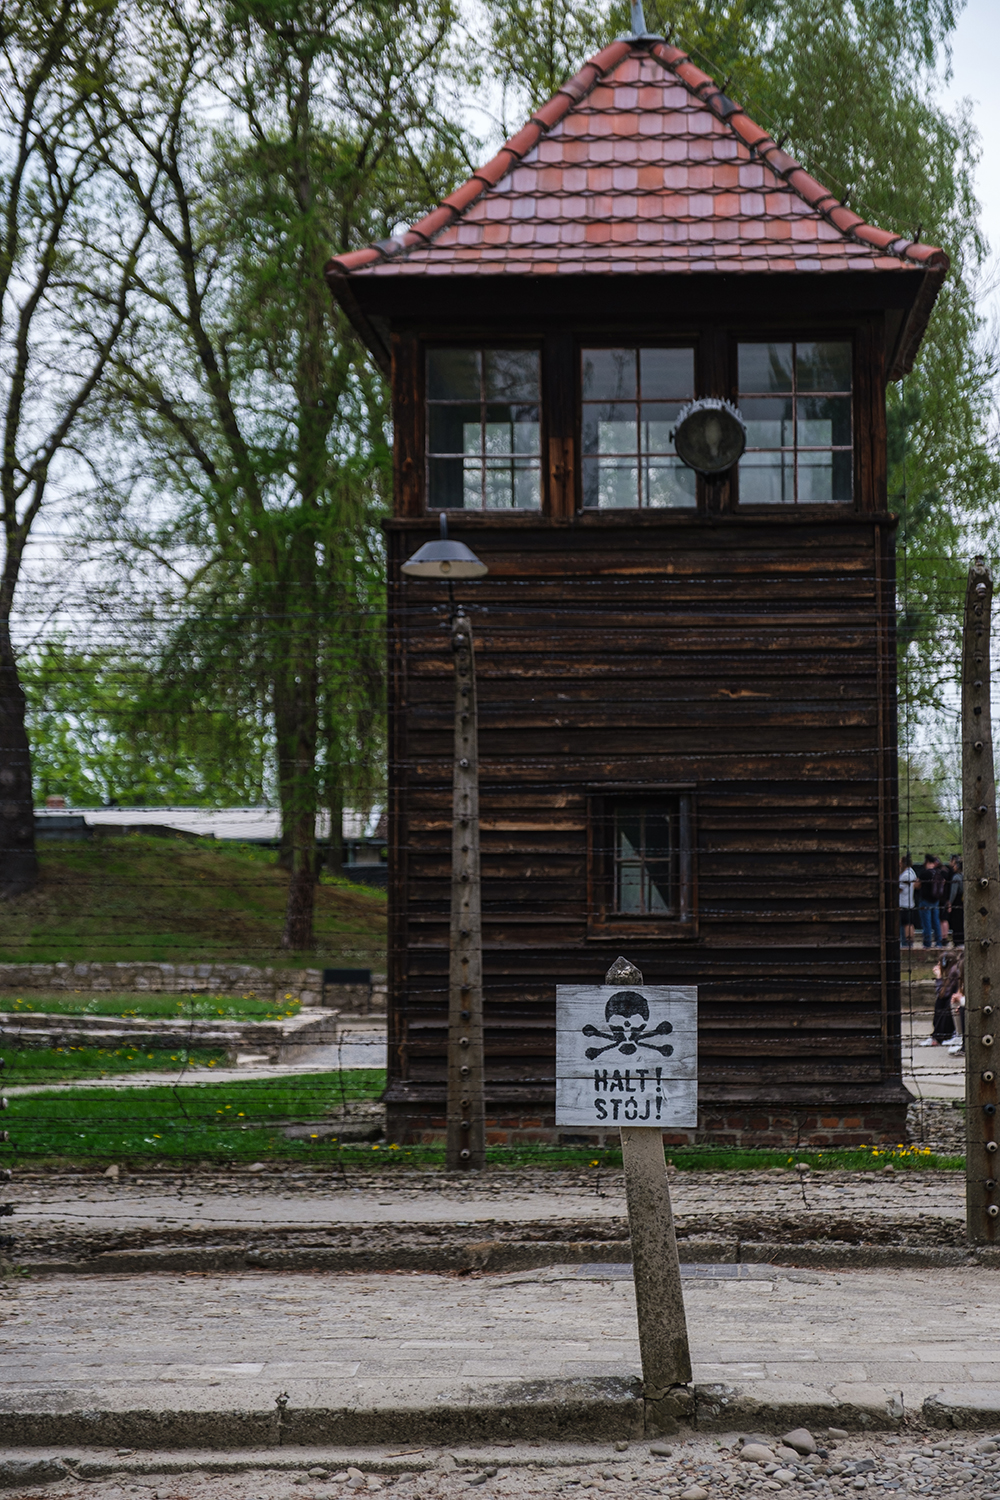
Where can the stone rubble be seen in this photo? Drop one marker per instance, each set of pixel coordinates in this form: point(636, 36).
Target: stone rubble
point(960, 1466)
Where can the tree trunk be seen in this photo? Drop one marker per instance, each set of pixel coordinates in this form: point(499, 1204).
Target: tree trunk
point(18, 860)
point(298, 933)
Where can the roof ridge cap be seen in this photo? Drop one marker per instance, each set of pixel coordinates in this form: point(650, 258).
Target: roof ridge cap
point(819, 198)
point(492, 172)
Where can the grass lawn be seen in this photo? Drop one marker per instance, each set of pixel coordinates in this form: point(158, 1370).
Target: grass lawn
point(179, 901)
point(235, 1121)
point(187, 1007)
point(61, 1064)
point(243, 1120)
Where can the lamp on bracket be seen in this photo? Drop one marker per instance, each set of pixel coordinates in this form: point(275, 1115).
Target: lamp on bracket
point(444, 559)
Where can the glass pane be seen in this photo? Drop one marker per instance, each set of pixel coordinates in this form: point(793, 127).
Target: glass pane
point(499, 431)
point(527, 432)
point(453, 429)
point(769, 422)
point(666, 372)
point(628, 835)
point(610, 484)
point(659, 896)
point(511, 374)
point(843, 476)
point(767, 479)
point(472, 479)
point(659, 836)
point(452, 374)
point(610, 429)
point(499, 491)
point(668, 482)
point(825, 477)
point(608, 374)
point(658, 420)
point(765, 367)
point(815, 478)
point(823, 366)
point(527, 486)
point(446, 487)
point(824, 421)
point(628, 895)
point(512, 429)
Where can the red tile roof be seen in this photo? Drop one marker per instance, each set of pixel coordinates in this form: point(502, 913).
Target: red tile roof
point(640, 164)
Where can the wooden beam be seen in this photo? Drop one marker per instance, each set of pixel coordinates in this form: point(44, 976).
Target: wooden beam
point(982, 916)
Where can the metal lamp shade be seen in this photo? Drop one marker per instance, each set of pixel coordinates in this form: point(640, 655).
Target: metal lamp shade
point(444, 559)
point(710, 435)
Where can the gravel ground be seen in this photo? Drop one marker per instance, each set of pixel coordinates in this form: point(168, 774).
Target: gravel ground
point(696, 1468)
point(413, 1214)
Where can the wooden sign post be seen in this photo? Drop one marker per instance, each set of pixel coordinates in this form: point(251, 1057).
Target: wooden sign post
point(982, 919)
point(627, 1054)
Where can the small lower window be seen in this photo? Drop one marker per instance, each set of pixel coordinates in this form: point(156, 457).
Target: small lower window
point(642, 862)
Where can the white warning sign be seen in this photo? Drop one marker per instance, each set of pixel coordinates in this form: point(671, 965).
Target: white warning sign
point(627, 1055)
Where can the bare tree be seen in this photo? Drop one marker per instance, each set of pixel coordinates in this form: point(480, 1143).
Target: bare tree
point(65, 275)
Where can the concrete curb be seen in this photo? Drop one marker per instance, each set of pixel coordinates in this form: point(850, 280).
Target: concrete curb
point(561, 1411)
point(504, 1256)
point(556, 1411)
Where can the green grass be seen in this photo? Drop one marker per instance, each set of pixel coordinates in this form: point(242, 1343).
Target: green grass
point(147, 899)
point(128, 1007)
point(235, 1121)
point(63, 1064)
point(242, 1120)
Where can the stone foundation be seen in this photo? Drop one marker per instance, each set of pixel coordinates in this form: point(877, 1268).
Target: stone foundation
point(273, 985)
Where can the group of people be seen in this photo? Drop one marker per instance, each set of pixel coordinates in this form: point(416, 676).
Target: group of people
point(934, 893)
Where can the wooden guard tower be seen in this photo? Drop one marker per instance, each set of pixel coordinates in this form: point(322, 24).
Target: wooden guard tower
point(687, 685)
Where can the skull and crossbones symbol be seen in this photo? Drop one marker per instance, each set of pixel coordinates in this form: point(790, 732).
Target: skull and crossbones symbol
point(627, 1017)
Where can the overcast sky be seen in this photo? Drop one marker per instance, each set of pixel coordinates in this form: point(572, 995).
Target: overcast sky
point(975, 49)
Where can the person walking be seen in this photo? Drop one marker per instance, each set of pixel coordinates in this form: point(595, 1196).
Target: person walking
point(931, 879)
point(949, 976)
point(908, 882)
point(956, 902)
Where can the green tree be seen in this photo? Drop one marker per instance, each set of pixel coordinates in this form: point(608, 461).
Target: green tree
point(104, 730)
point(244, 390)
point(898, 158)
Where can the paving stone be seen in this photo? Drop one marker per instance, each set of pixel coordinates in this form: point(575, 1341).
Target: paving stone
point(380, 1349)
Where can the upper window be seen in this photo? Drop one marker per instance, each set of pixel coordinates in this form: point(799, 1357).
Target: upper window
point(631, 398)
point(796, 402)
point(483, 434)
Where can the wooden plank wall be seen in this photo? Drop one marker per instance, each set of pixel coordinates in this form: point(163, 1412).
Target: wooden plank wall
point(749, 657)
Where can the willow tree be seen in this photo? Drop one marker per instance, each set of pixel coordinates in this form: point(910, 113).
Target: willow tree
point(266, 135)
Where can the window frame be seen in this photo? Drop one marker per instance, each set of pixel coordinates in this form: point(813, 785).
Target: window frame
point(800, 335)
point(535, 345)
point(602, 921)
point(690, 341)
